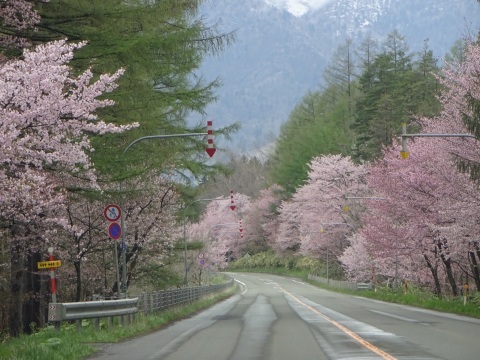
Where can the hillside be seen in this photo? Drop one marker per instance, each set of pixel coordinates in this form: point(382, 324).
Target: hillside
point(283, 46)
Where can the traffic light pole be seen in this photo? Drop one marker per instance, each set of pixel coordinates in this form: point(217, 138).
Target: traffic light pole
point(210, 151)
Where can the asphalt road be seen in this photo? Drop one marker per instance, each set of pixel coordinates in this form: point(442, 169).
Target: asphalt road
point(283, 318)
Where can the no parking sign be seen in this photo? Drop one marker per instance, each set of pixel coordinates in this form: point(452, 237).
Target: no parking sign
point(115, 231)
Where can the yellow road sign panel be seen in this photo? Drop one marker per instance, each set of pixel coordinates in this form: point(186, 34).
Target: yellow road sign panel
point(404, 154)
point(49, 264)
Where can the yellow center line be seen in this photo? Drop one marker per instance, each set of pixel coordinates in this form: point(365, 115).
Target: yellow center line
point(347, 331)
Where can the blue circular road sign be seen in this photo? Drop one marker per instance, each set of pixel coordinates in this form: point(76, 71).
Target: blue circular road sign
point(115, 231)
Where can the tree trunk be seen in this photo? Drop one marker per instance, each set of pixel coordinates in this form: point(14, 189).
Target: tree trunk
point(17, 291)
point(32, 311)
point(451, 278)
point(475, 272)
point(78, 294)
point(444, 256)
point(434, 271)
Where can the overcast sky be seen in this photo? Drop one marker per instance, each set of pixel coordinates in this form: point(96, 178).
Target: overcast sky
point(298, 7)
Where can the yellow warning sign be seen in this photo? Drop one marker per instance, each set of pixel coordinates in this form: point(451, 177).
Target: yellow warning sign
point(49, 264)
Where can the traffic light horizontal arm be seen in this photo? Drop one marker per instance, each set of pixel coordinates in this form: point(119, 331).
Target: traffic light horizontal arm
point(439, 135)
point(162, 137)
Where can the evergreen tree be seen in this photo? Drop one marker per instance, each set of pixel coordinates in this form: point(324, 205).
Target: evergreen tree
point(426, 86)
point(393, 88)
point(161, 45)
point(314, 128)
point(340, 73)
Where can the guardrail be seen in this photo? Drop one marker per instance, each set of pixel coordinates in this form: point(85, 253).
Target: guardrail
point(162, 300)
point(58, 312)
point(125, 309)
point(364, 286)
point(351, 285)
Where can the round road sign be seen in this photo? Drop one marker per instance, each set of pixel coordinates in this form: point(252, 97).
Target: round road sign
point(112, 212)
point(115, 231)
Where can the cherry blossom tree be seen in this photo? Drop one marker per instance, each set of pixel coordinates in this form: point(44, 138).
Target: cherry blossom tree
point(86, 249)
point(314, 221)
point(357, 259)
point(219, 229)
point(19, 19)
point(260, 221)
point(47, 115)
point(151, 228)
point(422, 230)
point(461, 112)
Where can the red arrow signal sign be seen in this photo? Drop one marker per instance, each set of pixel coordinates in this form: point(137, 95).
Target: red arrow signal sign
point(210, 148)
point(232, 203)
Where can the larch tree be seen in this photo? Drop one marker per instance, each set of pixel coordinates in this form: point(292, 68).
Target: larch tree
point(314, 128)
point(340, 74)
point(161, 45)
point(394, 88)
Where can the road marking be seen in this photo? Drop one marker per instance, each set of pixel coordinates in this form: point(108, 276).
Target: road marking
point(347, 331)
point(426, 311)
point(398, 317)
point(243, 284)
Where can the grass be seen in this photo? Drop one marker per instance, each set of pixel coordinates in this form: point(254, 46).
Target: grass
point(70, 344)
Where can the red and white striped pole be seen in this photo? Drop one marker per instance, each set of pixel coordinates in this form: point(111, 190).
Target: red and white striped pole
point(53, 281)
point(210, 148)
point(232, 202)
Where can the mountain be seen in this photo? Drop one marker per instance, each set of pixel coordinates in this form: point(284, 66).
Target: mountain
point(283, 47)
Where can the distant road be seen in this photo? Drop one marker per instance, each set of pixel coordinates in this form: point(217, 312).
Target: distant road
point(279, 318)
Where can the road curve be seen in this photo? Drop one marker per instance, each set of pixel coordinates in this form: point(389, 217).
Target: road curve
point(276, 317)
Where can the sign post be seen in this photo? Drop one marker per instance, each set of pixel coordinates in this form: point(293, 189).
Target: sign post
point(53, 281)
point(51, 264)
point(112, 213)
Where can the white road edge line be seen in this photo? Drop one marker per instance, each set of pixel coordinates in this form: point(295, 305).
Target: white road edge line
point(243, 284)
